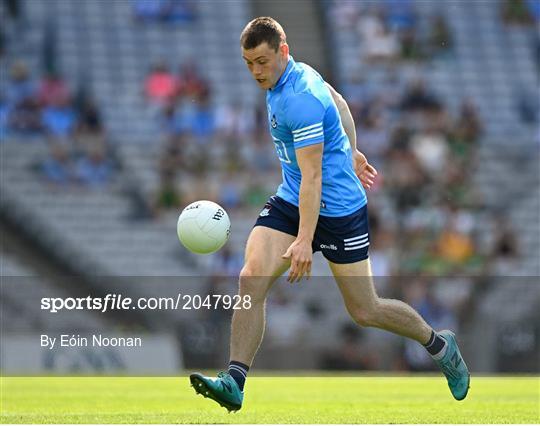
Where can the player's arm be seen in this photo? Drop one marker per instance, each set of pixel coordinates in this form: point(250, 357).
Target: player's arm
point(305, 115)
point(365, 171)
point(346, 117)
point(309, 160)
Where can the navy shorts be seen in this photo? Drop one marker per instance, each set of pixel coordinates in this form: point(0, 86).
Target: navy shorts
point(340, 239)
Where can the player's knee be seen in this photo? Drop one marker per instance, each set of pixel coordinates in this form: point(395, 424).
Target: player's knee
point(364, 316)
point(252, 283)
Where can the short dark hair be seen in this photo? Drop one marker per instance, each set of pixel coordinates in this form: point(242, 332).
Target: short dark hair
point(261, 30)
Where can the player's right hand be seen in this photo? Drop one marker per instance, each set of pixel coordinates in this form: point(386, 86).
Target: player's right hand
point(301, 255)
point(365, 171)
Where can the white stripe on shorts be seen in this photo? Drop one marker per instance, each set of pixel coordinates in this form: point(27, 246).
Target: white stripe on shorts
point(355, 238)
point(355, 243)
point(356, 247)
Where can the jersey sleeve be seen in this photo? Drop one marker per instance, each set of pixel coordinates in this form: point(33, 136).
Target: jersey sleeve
point(305, 118)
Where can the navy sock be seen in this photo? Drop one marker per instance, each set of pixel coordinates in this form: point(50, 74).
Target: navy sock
point(435, 344)
point(238, 372)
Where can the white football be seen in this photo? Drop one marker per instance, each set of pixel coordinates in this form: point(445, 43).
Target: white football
point(203, 227)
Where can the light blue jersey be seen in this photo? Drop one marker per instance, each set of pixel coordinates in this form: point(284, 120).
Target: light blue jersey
point(301, 112)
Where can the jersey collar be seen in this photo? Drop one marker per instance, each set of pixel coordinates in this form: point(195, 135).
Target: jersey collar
point(285, 76)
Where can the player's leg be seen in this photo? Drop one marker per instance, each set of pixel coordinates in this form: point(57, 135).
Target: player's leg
point(355, 282)
point(263, 265)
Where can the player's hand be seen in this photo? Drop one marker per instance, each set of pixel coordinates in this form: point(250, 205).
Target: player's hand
point(300, 253)
point(365, 171)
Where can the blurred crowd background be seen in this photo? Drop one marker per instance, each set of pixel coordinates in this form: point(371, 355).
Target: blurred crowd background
point(115, 115)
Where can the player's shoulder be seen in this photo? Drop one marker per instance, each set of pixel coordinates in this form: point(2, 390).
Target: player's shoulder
point(307, 81)
point(307, 88)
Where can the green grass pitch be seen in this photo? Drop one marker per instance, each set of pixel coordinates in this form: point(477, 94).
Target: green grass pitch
point(359, 399)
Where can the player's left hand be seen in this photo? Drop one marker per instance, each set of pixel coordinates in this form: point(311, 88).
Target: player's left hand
point(365, 171)
point(300, 253)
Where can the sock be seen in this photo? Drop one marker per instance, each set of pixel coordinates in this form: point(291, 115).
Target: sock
point(238, 372)
point(436, 345)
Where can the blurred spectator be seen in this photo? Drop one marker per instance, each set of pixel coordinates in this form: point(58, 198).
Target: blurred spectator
point(168, 194)
point(505, 248)
point(199, 119)
point(57, 167)
point(405, 178)
point(350, 354)
point(345, 13)
point(171, 162)
point(25, 118)
point(257, 191)
point(260, 156)
point(383, 257)
point(370, 23)
point(439, 37)
point(4, 118)
point(468, 127)
point(171, 121)
point(52, 89)
point(455, 244)
point(431, 149)
point(90, 131)
point(180, 11)
point(516, 12)
point(411, 47)
point(528, 106)
point(13, 19)
point(390, 90)
point(234, 121)
point(164, 10)
point(382, 45)
point(230, 194)
point(357, 92)
point(417, 97)
point(94, 169)
point(400, 14)
point(536, 48)
point(19, 87)
point(2, 43)
point(190, 83)
point(372, 136)
point(534, 9)
point(59, 119)
point(227, 262)
point(455, 179)
point(378, 42)
point(14, 9)
point(260, 120)
point(148, 10)
point(160, 85)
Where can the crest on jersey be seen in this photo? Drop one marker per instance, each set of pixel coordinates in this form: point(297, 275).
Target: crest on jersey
point(273, 122)
point(266, 211)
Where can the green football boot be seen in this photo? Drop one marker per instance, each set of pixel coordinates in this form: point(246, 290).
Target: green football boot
point(453, 366)
point(224, 389)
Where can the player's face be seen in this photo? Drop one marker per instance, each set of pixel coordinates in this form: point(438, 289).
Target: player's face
point(265, 64)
